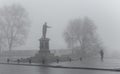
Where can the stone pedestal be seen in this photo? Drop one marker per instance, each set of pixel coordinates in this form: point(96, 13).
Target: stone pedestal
point(44, 52)
point(44, 46)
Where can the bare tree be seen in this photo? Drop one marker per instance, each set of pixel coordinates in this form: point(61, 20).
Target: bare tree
point(14, 25)
point(82, 34)
point(2, 44)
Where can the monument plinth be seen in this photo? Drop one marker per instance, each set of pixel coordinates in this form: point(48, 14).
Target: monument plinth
point(44, 52)
point(44, 45)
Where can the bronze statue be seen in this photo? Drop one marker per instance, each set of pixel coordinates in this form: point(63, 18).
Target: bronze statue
point(44, 30)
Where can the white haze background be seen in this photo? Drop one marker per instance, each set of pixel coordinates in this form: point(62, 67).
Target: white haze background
point(57, 13)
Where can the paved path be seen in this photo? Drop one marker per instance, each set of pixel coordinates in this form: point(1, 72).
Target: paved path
point(63, 67)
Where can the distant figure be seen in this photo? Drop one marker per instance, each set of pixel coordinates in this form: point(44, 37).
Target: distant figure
point(80, 58)
point(44, 30)
point(30, 61)
point(18, 61)
point(8, 60)
point(70, 59)
point(102, 54)
point(43, 61)
point(57, 60)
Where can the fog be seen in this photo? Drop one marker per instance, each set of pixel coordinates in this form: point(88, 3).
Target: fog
point(57, 13)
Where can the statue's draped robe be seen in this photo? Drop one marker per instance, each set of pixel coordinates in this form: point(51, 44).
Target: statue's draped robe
point(45, 29)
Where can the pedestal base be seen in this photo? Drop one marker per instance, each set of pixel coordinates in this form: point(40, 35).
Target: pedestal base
point(44, 53)
point(47, 57)
point(44, 45)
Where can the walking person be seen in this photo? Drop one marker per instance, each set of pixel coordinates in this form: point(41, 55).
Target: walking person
point(57, 60)
point(102, 54)
point(80, 58)
point(43, 61)
point(18, 61)
point(8, 60)
point(30, 61)
point(70, 59)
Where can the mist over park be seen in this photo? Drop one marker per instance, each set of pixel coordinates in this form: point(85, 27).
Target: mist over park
point(59, 14)
point(59, 36)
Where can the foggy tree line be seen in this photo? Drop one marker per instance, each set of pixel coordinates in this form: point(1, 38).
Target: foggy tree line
point(81, 34)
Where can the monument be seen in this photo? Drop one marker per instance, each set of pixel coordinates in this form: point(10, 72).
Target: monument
point(44, 41)
point(44, 52)
point(44, 55)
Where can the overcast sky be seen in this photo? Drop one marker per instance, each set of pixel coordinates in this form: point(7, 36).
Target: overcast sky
point(57, 13)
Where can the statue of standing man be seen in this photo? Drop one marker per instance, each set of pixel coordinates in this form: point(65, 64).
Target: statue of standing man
point(44, 30)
